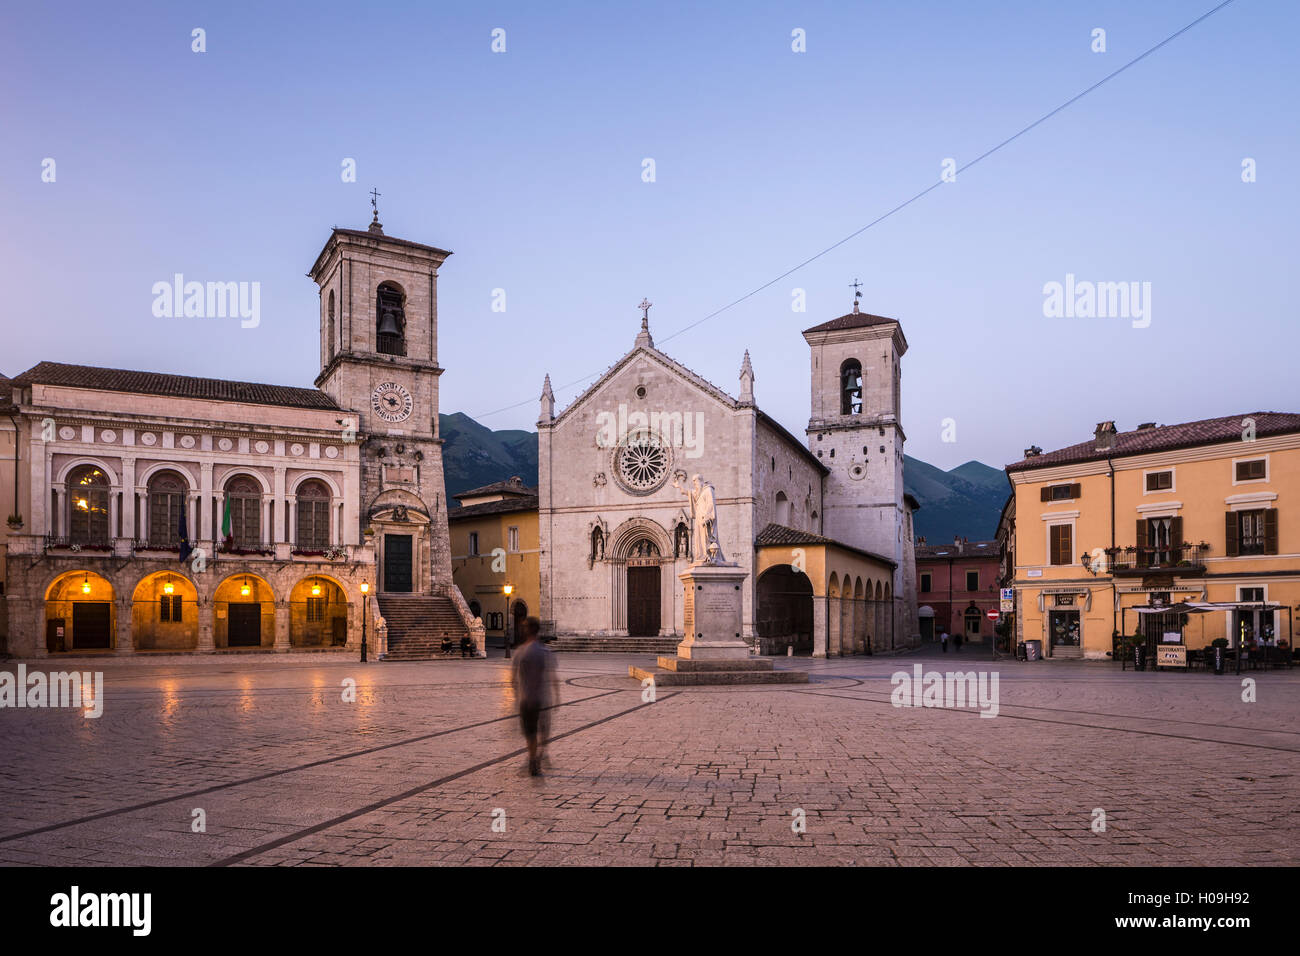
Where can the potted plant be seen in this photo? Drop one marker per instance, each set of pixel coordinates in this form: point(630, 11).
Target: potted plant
point(15, 522)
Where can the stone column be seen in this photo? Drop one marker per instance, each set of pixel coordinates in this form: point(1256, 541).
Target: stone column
point(128, 499)
point(277, 507)
point(282, 627)
point(123, 643)
point(205, 530)
point(207, 641)
point(820, 624)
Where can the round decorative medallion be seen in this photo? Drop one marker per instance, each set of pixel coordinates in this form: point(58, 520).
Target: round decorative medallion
point(67, 433)
point(331, 451)
point(108, 435)
point(187, 441)
point(148, 438)
point(857, 471)
point(296, 449)
point(391, 402)
point(225, 444)
point(262, 447)
point(641, 464)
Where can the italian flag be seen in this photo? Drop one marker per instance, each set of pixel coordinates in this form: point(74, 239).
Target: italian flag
point(228, 538)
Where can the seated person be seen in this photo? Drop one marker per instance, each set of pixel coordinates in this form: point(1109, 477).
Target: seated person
point(446, 645)
point(466, 646)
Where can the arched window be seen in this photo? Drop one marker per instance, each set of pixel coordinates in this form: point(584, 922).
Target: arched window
point(390, 320)
point(851, 387)
point(88, 506)
point(313, 516)
point(167, 494)
point(973, 621)
point(782, 509)
point(475, 608)
point(245, 498)
point(329, 324)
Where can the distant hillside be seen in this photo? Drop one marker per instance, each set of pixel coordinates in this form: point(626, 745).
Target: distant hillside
point(473, 455)
point(965, 501)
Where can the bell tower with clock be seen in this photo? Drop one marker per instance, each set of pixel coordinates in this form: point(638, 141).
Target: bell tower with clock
point(379, 362)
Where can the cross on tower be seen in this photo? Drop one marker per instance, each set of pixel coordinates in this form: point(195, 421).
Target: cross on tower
point(856, 286)
point(645, 310)
point(374, 201)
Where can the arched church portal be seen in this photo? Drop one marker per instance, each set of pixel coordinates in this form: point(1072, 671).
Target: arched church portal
point(644, 595)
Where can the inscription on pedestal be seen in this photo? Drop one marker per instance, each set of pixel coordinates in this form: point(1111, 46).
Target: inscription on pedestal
point(711, 612)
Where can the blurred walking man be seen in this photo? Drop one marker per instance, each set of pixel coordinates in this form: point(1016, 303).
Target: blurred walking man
point(537, 688)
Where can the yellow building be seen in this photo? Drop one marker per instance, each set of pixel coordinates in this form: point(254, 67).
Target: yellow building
point(1198, 524)
point(494, 543)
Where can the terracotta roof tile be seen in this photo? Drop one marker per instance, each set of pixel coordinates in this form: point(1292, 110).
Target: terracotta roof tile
point(178, 386)
point(852, 320)
point(781, 536)
point(511, 486)
point(1209, 431)
point(969, 549)
point(504, 506)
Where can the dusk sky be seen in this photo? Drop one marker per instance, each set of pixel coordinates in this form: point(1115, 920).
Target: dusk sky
point(225, 166)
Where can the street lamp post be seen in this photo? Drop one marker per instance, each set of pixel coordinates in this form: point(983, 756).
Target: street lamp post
point(505, 621)
point(365, 607)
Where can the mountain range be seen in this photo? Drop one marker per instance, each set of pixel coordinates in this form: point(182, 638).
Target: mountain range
point(965, 501)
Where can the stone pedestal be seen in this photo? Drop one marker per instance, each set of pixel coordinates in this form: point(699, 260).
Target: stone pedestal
point(714, 651)
point(711, 615)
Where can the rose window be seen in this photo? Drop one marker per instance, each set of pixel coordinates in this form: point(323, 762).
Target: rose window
point(641, 464)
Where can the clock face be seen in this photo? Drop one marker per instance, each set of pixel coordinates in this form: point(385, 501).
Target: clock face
point(391, 402)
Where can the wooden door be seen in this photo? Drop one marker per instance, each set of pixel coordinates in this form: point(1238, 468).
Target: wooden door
point(244, 624)
point(397, 562)
point(643, 601)
point(91, 626)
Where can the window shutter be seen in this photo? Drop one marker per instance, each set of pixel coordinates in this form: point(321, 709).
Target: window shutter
point(1176, 535)
point(1270, 531)
point(1045, 493)
point(1231, 547)
point(1076, 490)
point(1141, 536)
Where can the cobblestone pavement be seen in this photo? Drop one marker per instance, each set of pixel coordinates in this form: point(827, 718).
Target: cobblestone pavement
point(425, 762)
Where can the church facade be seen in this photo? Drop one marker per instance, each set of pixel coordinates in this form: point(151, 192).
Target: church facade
point(157, 512)
point(822, 525)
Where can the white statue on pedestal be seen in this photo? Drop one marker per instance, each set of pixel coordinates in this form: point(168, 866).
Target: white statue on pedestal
point(704, 521)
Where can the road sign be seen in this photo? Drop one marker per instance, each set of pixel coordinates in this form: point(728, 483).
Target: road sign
point(992, 615)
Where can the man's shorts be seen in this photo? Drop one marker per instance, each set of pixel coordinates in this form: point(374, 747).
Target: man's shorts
point(529, 716)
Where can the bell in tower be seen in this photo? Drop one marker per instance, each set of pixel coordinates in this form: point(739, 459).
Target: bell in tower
point(390, 333)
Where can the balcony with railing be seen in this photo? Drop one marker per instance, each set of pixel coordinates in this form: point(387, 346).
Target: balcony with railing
point(78, 542)
point(1182, 559)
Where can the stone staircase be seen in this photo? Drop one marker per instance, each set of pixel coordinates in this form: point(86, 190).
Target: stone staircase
point(617, 645)
point(417, 624)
